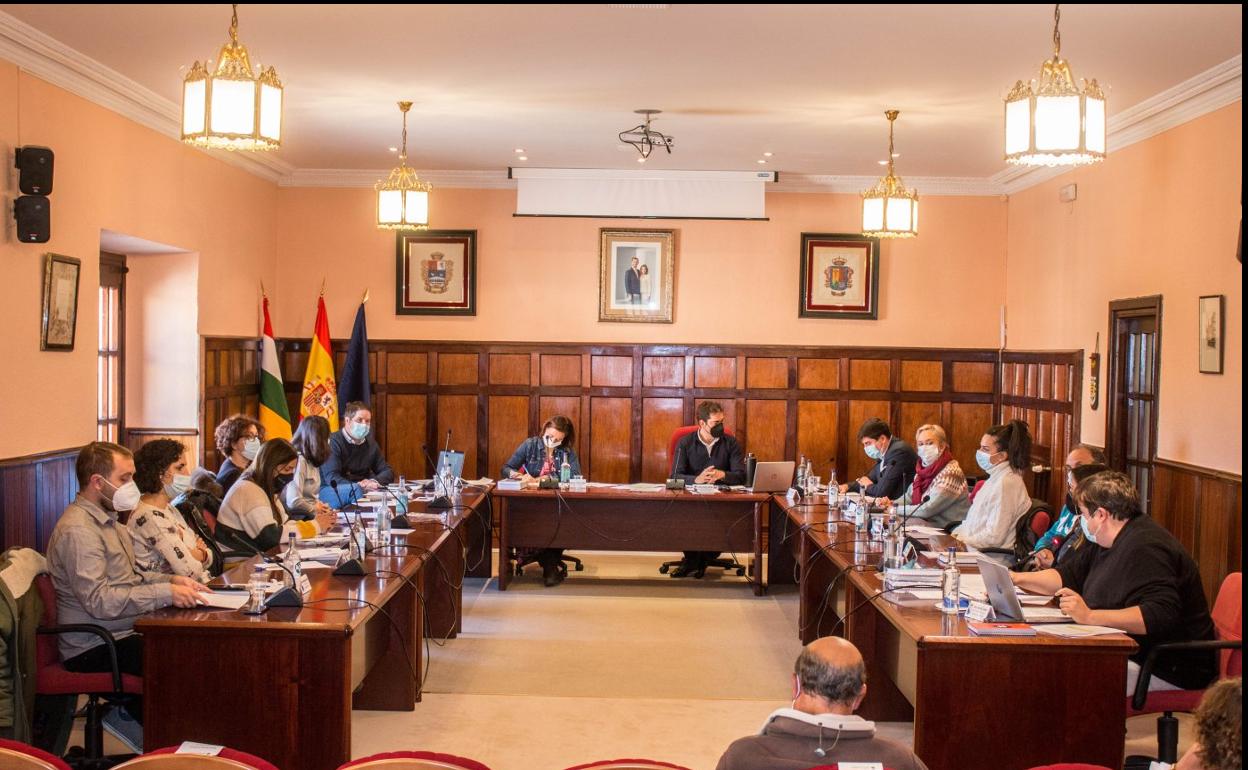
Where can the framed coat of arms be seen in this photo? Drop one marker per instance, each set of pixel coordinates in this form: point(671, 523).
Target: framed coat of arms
point(436, 272)
point(840, 276)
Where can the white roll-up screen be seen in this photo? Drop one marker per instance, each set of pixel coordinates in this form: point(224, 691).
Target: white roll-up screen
point(657, 194)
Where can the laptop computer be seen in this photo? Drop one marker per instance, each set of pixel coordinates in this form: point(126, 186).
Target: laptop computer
point(457, 462)
point(1005, 602)
point(773, 476)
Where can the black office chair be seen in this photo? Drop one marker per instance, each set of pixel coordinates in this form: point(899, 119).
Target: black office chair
point(565, 561)
point(1028, 530)
point(726, 565)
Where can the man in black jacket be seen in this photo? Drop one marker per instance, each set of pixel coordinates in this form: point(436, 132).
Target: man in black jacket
point(895, 462)
point(355, 460)
point(706, 456)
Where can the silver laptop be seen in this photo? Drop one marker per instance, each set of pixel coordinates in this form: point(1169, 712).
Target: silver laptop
point(773, 477)
point(1005, 602)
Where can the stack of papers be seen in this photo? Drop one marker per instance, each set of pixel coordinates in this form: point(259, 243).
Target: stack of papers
point(1076, 631)
point(642, 487)
point(225, 600)
point(481, 482)
point(903, 578)
point(964, 558)
point(510, 485)
point(1000, 629)
point(329, 554)
point(704, 489)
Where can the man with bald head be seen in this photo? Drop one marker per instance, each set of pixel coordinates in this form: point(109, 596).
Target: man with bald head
point(1049, 548)
point(829, 682)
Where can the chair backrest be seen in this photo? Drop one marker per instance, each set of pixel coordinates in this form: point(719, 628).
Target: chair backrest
point(46, 652)
point(187, 762)
point(19, 756)
point(1228, 622)
point(629, 764)
point(413, 760)
point(975, 489)
point(1028, 529)
point(677, 435)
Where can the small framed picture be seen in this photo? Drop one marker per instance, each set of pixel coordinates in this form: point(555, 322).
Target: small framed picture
point(637, 275)
point(436, 272)
point(840, 276)
point(1212, 330)
point(60, 302)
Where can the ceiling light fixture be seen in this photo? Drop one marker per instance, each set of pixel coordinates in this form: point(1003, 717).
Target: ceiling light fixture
point(890, 209)
point(403, 199)
point(645, 138)
point(1051, 122)
point(232, 108)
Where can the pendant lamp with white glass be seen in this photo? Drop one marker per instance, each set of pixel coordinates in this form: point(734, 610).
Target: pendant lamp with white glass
point(1051, 121)
point(890, 209)
point(403, 199)
point(231, 108)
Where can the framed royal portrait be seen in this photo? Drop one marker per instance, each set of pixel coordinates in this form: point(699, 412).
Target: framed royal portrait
point(1212, 330)
point(840, 276)
point(60, 302)
point(637, 275)
point(436, 272)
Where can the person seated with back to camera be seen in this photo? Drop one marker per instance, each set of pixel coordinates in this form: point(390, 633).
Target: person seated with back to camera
point(708, 455)
point(1219, 729)
point(355, 464)
point(252, 516)
point(1133, 576)
point(542, 457)
point(820, 728)
point(895, 461)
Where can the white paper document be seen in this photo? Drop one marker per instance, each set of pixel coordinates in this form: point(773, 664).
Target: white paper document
point(319, 554)
point(202, 749)
point(307, 565)
point(1075, 631)
point(642, 487)
point(226, 600)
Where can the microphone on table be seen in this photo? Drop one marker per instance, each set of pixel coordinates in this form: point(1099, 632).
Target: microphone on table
point(675, 482)
point(439, 502)
point(352, 567)
point(286, 596)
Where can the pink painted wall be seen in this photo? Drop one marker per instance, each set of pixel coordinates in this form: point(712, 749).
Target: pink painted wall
point(162, 361)
point(1158, 217)
point(113, 174)
point(736, 282)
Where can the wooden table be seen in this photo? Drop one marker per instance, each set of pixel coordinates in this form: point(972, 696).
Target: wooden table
point(609, 519)
point(282, 685)
point(996, 703)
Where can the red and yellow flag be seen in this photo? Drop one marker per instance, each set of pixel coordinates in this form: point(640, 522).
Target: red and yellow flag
point(320, 389)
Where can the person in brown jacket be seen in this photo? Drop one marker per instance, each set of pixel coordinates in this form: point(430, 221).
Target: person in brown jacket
point(829, 682)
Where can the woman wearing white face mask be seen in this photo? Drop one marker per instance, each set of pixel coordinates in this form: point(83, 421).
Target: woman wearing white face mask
point(542, 456)
point(1004, 452)
point(938, 493)
point(238, 439)
point(163, 542)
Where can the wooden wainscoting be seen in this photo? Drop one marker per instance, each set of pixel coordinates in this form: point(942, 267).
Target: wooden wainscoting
point(1044, 390)
point(34, 490)
point(1204, 509)
point(187, 437)
point(625, 400)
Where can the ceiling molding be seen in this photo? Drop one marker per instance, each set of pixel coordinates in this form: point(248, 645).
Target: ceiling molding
point(337, 177)
point(1213, 89)
point(49, 59)
point(924, 185)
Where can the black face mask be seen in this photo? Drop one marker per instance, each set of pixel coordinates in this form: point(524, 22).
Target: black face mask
point(280, 482)
point(717, 431)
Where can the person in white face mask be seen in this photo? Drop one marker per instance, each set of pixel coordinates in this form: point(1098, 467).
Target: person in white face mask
point(238, 439)
point(355, 464)
point(1004, 453)
point(98, 581)
point(163, 542)
point(539, 457)
point(938, 493)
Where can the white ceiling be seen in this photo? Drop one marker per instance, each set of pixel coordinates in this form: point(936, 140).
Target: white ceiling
point(808, 83)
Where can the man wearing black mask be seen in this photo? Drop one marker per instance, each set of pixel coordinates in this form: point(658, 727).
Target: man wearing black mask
point(706, 456)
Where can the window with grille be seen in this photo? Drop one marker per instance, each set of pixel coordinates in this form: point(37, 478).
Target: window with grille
point(110, 363)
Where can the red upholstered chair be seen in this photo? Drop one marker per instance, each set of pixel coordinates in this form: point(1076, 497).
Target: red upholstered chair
point(20, 756)
point(975, 489)
point(838, 767)
point(726, 564)
point(166, 759)
point(1228, 626)
point(629, 764)
point(1072, 766)
point(413, 760)
point(52, 678)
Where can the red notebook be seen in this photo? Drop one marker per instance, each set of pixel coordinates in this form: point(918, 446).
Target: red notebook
point(1000, 629)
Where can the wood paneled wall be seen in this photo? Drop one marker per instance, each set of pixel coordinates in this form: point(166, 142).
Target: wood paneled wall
point(1044, 390)
point(625, 400)
point(33, 492)
point(1204, 510)
point(187, 437)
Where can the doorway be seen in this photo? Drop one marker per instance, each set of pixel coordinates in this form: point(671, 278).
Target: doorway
point(1134, 374)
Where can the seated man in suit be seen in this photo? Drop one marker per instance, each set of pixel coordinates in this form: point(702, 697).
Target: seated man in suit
point(355, 464)
point(829, 682)
point(895, 462)
point(706, 456)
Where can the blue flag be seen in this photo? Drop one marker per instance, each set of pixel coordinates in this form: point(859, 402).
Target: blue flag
point(353, 382)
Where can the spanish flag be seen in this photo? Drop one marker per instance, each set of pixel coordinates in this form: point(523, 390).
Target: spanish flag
point(274, 416)
point(320, 390)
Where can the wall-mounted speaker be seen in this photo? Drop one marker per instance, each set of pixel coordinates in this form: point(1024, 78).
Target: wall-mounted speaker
point(34, 166)
point(34, 218)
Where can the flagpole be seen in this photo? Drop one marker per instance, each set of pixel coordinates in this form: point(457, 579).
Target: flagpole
point(365, 297)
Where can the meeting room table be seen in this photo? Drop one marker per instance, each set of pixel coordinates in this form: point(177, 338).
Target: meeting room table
point(990, 702)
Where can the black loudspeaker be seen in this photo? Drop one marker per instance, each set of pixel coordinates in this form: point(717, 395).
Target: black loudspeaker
point(34, 218)
point(34, 166)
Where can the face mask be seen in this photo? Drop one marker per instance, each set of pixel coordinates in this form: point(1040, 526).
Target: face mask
point(359, 431)
point(872, 451)
point(125, 497)
point(928, 453)
point(550, 441)
point(180, 484)
point(982, 458)
point(1083, 522)
point(251, 448)
point(281, 480)
point(717, 431)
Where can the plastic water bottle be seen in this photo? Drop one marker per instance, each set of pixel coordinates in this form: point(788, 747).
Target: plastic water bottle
point(950, 585)
point(383, 524)
point(800, 482)
point(445, 477)
point(255, 589)
point(291, 557)
point(834, 491)
point(565, 471)
point(402, 486)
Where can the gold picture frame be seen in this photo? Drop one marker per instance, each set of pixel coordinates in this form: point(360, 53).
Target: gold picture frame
point(60, 302)
point(637, 275)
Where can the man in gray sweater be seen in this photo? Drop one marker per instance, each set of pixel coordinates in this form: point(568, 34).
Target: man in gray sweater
point(829, 682)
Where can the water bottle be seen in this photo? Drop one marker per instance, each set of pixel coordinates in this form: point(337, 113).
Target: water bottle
point(383, 524)
point(255, 589)
point(800, 483)
point(950, 585)
point(402, 486)
point(751, 465)
point(291, 557)
point(565, 471)
point(834, 491)
point(445, 478)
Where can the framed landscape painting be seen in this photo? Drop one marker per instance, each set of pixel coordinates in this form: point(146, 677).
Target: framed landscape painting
point(840, 276)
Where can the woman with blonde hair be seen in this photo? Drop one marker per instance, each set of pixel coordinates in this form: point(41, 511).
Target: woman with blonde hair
point(938, 493)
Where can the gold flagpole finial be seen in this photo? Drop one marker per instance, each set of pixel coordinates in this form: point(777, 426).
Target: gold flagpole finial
point(323, 287)
point(365, 297)
point(263, 293)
